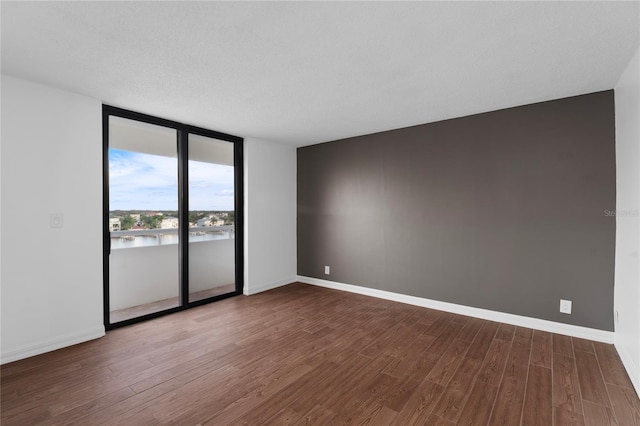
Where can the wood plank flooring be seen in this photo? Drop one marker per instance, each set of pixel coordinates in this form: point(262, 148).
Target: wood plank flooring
point(307, 355)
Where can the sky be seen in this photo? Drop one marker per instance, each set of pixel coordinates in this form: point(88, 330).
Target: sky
point(140, 181)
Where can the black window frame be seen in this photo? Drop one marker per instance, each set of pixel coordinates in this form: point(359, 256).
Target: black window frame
point(182, 146)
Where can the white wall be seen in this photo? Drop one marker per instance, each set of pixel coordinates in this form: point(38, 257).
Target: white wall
point(270, 215)
point(51, 163)
point(627, 272)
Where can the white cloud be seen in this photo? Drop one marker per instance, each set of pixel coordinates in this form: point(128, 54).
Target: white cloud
point(149, 182)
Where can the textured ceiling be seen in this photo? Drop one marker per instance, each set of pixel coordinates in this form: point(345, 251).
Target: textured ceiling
point(309, 72)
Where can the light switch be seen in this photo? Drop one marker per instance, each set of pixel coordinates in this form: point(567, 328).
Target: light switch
point(56, 220)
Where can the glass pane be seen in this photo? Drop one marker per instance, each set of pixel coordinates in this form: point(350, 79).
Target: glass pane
point(143, 219)
point(211, 218)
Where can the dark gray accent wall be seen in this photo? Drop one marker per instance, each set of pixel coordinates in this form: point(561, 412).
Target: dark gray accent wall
point(503, 210)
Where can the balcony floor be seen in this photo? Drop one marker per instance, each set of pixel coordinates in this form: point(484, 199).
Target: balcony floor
point(161, 305)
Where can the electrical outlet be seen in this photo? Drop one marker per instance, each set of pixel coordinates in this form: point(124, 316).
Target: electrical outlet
point(327, 270)
point(56, 220)
point(565, 306)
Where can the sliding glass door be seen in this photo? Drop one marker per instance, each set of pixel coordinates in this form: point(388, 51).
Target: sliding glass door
point(143, 219)
point(172, 216)
point(212, 228)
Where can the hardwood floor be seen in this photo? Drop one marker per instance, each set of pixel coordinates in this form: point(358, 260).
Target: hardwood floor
point(307, 355)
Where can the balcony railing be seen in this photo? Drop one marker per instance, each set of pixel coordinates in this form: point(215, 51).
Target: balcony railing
point(167, 236)
point(148, 271)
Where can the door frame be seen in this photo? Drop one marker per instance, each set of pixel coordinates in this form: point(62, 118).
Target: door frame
point(182, 146)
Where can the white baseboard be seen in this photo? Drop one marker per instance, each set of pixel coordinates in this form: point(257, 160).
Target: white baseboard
point(255, 289)
point(521, 321)
point(632, 368)
point(51, 344)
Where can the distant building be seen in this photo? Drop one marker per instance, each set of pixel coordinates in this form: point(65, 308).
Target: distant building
point(204, 222)
point(136, 219)
point(114, 224)
point(169, 222)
